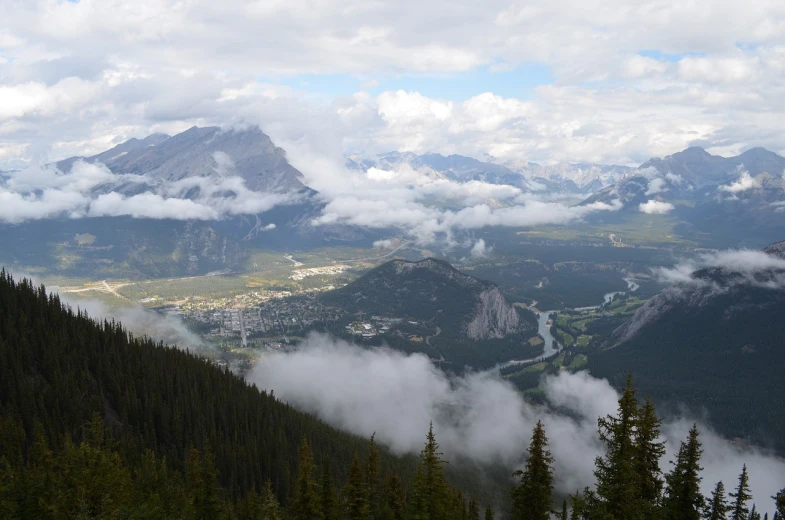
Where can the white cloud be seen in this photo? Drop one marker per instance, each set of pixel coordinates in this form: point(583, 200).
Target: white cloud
point(657, 185)
point(150, 205)
point(656, 207)
point(755, 267)
point(745, 182)
point(76, 74)
point(397, 396)
point(480, 250)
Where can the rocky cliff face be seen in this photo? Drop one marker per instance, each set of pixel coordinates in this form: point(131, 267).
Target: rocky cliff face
point(494, 316)
point(432, 291)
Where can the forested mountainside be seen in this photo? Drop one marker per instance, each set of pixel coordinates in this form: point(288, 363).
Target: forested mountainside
point(157, 426)
point(716, 343)
point(97, 424)
point(451, 315)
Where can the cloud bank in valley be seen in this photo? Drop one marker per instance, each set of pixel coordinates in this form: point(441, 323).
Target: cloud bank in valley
point(479, 416)
point(753, 267)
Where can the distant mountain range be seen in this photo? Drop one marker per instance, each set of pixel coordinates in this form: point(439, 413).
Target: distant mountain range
point(738, 198)
point(461, 318)
point(202, 165)
point(563, 177)
point(717, 340)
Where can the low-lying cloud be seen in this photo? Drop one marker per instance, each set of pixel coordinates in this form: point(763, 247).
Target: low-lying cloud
point(745, 182)
point(479, 416)
point(753, 267)
point(92, 190)
point(656, 207)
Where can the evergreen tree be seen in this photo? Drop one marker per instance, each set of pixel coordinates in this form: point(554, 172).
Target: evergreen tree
point(779, 502)
point(328, 495)
point(357, 506)
point(618, 484)
point(474, 510)
point(739, 510)
point(683, 499)
point(202, 484)
point(305, 505)
point(717, 507)
point(754, 515)
point(648, 452)
point(431, 497)
point(488, 513)
point(531, 499)
point(563, 515)
point(373, 477)
point(9, 508)
point(394, 497)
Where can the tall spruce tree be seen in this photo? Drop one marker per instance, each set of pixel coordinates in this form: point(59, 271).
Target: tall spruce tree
point(373, 479)
point(328, 495)
point(563, 515)
point(649, 449)
point(474, 509)
point(717, 507)
point(489, 513)
point(356, 494)
point(431, 493)
point(394, 498)
point(531, 498)
point(306, 504)
point(683, 499)
point(779, 503)
point(754, 514)
point(618, 484)
point(739, 510)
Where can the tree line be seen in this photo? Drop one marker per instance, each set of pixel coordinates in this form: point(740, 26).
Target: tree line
point(630, 484)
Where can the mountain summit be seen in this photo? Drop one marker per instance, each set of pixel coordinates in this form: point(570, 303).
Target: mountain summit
point(198, 152)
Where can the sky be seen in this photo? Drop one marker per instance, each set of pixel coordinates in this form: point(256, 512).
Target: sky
point(606, 81)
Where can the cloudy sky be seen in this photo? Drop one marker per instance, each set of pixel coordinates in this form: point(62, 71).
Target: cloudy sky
point(594, 80)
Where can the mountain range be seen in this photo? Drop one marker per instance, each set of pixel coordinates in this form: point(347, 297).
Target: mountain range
point(578, 178)
point(716, 339)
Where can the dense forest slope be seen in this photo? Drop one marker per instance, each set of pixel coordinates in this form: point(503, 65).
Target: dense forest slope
point(463, 319)
point(717, 341)
point(65, 378)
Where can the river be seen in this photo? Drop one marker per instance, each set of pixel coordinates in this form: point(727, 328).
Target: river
point(550, 347)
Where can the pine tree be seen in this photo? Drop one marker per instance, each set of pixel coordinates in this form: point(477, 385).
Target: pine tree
point(739, 510)
point(754, 515)
point(394, 497)
point(373, 477)
point(431, 497)
point(328, 496)
point(474, 509)
point(617, 492)
point(717, 507)
point(9, 508)
point(532, 497)
point(563, 515)
point(357, 506)
point(305, 505)
point(683, 499)
point(202, 484)
point(779, 503)
point(648, 452)
point(489, 513)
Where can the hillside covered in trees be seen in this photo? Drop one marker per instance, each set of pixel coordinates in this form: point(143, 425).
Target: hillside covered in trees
point(97, 424)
